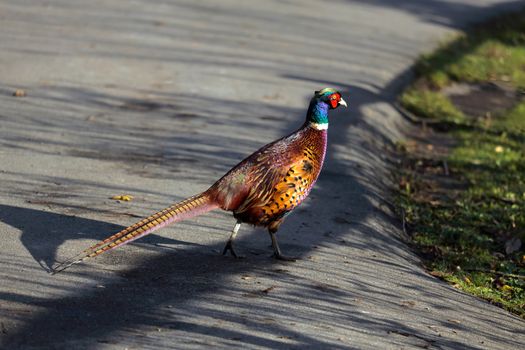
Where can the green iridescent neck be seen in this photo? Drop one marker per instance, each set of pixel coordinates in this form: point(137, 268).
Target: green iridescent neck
point(317, 112)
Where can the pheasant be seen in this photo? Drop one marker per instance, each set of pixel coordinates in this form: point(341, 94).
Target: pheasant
point(261, 190)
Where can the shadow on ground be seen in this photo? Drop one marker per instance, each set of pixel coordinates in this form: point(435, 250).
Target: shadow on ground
point(192, 293)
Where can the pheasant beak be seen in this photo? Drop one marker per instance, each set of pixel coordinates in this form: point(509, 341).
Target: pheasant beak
point(342, 102)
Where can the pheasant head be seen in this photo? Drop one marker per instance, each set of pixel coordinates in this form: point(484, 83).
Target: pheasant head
point(322, 101)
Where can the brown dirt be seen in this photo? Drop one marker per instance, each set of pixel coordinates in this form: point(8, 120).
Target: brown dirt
point(425, 157)
point(482, 99)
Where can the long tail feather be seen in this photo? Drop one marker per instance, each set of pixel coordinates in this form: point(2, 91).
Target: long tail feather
point(186, 209)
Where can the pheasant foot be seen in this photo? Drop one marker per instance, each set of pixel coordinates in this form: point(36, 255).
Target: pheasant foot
point(277, 251)
point(229, 246)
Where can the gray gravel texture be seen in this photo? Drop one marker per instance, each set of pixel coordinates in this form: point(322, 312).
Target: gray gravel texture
point(158, 99)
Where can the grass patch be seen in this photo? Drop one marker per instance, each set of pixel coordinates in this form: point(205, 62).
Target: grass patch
point(513, 121)
point(470, 233)
point(494, 50)
point(432, 105)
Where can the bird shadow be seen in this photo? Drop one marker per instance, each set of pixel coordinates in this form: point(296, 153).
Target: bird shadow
point(43, 232)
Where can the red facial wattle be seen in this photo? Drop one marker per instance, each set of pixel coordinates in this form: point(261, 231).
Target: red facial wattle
point(334, 100)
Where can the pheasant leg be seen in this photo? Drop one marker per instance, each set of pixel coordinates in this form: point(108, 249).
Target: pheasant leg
point(277, 251)
point(229, 244)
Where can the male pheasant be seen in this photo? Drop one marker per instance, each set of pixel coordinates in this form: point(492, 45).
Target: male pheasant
point(261, 190)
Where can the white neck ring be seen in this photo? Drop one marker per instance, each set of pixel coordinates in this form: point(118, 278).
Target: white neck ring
point(318, 126)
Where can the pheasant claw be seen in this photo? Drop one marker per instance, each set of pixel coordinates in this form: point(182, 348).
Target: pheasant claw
point(229, 246)
point(285, 257)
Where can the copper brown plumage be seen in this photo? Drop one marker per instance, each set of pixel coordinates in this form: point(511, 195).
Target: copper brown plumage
point(261, 190)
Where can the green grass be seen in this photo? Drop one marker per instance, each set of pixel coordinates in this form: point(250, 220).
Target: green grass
point(465, 234)
point(432, 105)
point(485, 61)
point(492, 51)
point(513, 121)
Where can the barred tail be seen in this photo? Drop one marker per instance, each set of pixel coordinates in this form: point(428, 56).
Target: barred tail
point(186, 209)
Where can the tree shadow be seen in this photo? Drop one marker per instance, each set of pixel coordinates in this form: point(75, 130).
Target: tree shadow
point(446, 13)
point(168, 290)
point(155, 299)
point(192, 295)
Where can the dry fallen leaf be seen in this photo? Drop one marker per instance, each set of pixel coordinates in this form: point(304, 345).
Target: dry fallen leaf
point(438, 274)
point(408, 303)
point(506, 288)
point(268, 290)
point(19, 93)
point(124, 197)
